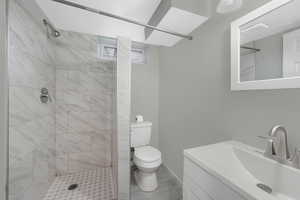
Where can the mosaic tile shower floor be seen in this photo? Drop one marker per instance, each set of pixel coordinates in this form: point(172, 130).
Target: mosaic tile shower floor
point(92, 185)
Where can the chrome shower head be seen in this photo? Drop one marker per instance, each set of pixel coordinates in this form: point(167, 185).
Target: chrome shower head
point(56, 33)
point(53, 32)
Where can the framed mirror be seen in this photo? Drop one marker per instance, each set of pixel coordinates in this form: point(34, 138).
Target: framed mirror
point(265, 47)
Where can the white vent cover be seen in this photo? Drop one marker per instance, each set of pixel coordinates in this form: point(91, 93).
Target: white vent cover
point(138, 56)
point(107, 52)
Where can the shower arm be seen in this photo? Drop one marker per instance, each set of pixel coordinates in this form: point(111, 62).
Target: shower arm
point(54, 32)
point(72, 4)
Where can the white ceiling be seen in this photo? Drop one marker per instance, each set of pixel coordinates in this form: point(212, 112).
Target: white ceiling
point(278, 21)
point(189, 22)
point(74, 19)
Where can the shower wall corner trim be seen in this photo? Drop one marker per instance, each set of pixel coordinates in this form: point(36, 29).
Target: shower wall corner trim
point(3, 98)
point(123, 116)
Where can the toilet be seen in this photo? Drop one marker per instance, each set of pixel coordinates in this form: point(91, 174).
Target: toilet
point(146, 158)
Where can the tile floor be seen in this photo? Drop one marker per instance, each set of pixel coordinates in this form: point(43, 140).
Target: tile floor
point(92, 185)
point(168, 188)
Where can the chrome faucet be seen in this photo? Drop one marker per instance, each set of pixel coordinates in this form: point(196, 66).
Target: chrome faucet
point(277, 147)
point(280, 142)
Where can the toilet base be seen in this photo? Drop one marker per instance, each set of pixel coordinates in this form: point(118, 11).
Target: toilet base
point(146, 181)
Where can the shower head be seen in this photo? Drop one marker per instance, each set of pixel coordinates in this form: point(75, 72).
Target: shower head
point(56, 33)
point(53, 32)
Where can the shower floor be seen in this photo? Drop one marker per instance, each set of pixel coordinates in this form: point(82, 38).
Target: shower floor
point(92, 185)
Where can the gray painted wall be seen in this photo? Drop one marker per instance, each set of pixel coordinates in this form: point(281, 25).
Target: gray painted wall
point(144, 91)
point(3, 98)
point(196, 104)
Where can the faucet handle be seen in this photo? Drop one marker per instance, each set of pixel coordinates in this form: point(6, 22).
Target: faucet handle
point(295, 160)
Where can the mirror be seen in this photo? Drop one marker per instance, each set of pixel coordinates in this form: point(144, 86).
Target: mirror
point(266, 47)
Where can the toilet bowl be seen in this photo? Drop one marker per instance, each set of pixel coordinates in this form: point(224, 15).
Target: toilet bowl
point(147, 159)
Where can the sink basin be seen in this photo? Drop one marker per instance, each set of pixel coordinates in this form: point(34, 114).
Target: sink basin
point(242, 167)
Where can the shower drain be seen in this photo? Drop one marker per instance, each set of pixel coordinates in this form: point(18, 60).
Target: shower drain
point(73, 187)
point(264, 188)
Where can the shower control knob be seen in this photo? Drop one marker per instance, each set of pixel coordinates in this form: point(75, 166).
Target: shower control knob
point(45, 98)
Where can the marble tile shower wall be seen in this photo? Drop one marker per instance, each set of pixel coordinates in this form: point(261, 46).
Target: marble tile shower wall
point(32, 124)
point(84, 104)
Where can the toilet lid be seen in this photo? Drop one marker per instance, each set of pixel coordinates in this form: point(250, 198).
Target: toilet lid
point(147, 154)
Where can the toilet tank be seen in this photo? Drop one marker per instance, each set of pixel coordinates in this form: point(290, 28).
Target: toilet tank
point(140, 134)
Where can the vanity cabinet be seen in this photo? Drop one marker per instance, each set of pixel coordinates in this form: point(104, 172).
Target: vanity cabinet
point(200, 185)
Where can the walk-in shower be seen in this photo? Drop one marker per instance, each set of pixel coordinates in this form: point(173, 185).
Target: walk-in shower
point(63, 114)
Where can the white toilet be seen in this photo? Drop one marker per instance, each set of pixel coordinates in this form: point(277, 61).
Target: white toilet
point(146, 158)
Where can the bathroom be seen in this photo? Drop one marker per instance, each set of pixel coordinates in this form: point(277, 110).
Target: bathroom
point(162, 99)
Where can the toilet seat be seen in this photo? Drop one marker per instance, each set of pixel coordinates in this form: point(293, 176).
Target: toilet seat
point(147, 157)
point(147, 154)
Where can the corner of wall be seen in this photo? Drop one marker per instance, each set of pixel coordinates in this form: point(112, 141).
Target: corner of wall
point(123, 116)
point(3, 98)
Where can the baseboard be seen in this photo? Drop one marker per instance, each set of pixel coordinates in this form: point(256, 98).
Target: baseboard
point(173, 173)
